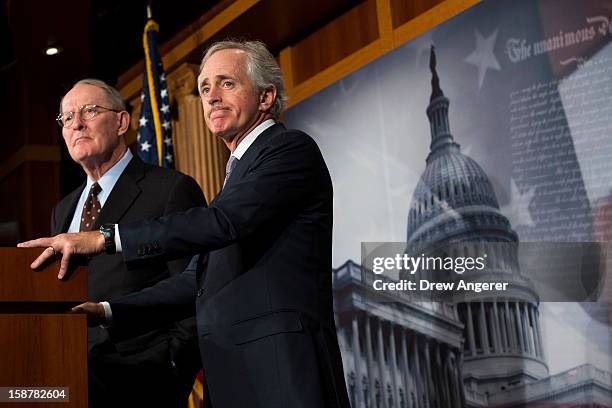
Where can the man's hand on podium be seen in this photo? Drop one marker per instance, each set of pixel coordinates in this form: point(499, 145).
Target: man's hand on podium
point(82, 243)
point(95, 313)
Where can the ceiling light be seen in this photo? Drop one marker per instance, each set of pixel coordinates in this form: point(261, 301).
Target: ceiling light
point(52, 50)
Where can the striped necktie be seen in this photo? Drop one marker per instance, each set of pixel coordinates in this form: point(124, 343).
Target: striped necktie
point(229, 167)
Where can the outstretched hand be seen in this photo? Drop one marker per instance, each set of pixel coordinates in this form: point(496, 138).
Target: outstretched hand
point(95, 313)
point(82, 243)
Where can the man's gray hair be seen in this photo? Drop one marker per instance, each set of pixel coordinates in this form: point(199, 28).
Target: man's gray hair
point(262, 68)
point(114, 97)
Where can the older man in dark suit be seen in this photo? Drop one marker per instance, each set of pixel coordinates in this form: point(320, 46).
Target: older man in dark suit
point(155, 368)
point(263, 294)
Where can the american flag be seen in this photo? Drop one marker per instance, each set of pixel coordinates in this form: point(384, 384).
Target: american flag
point(155, 127)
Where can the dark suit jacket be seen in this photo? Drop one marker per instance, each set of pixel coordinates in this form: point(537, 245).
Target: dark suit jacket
point(264, 297)
point(142, 191)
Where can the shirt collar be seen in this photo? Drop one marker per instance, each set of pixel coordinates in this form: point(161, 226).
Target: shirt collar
point(250, 138)
point(109, 179)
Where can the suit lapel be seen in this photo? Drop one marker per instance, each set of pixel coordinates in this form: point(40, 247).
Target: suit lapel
point(124, 193)
point(66, 212)
point(252, 152)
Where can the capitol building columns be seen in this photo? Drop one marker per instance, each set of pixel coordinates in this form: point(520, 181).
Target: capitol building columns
point(369, 359)
point(394, 366)
point(357, 367)
point(470, 330)
point(381, 390)
point(421, 395)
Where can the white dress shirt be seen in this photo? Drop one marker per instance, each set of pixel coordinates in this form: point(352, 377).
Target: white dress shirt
point(107, 183)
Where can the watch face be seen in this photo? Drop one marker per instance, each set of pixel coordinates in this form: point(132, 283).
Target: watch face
point(108, 231)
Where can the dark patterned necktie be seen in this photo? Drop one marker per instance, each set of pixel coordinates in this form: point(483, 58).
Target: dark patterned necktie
point(229, 167)
point(91, 209)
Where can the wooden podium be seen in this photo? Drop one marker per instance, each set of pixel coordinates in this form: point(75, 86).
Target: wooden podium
point(41, 345)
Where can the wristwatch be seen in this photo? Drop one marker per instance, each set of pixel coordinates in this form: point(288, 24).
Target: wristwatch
point(108, 232)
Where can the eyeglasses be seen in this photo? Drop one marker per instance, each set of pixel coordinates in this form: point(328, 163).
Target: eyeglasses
point(86, 113)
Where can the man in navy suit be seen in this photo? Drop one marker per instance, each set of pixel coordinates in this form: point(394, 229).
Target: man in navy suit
point(262, 286)
point(119, 187)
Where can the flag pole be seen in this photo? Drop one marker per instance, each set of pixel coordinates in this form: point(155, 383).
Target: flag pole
point(155, 126)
